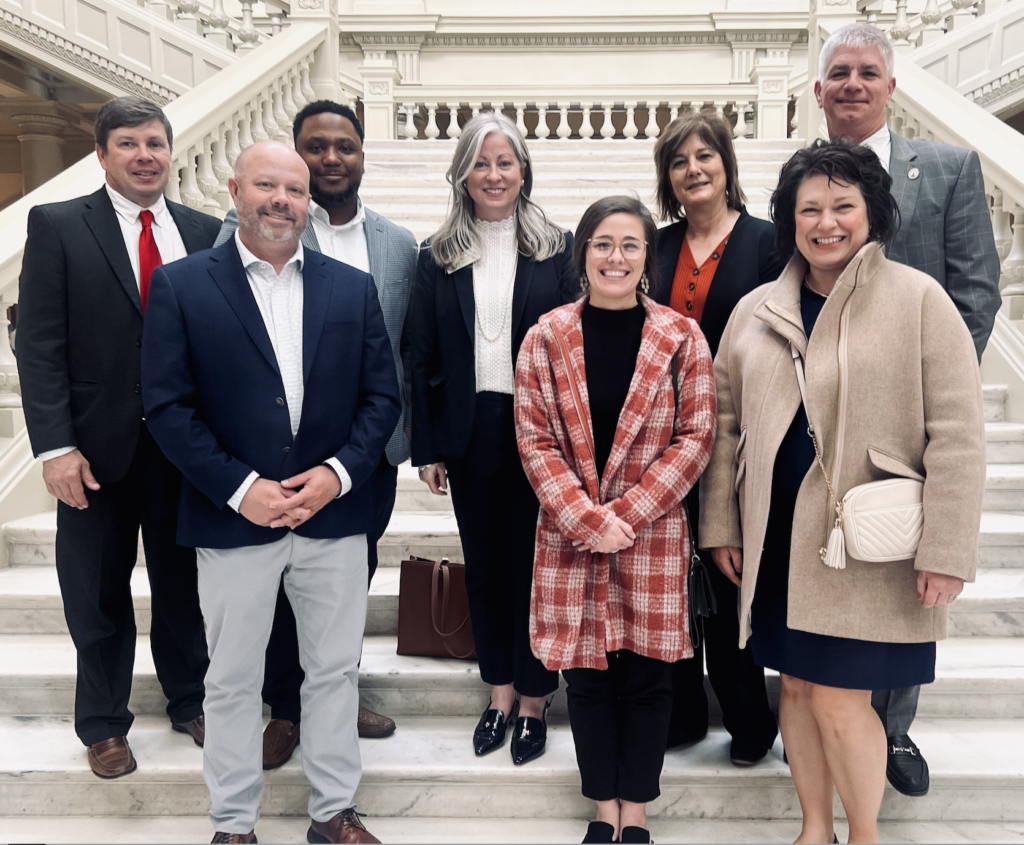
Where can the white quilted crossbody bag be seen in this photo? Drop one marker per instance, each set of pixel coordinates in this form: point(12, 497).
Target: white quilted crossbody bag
point(878, 522)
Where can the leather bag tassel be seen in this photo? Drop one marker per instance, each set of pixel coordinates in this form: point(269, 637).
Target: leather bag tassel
point(835, 555)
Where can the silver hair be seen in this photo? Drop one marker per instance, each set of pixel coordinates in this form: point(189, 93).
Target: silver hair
point(860, 35)
point(457, 242)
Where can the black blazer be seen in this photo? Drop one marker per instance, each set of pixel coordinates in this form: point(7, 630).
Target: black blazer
point(80, 329)
point(749, 260)
point(442, 339)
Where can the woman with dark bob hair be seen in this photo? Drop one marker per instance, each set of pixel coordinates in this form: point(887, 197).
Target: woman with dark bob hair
point(711, 255)
point(891, 390)
point(615, 414)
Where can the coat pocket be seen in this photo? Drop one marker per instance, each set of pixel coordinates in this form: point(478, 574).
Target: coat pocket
point(893, 465)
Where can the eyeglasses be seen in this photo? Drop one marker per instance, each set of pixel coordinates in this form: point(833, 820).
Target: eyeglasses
point(605, 248)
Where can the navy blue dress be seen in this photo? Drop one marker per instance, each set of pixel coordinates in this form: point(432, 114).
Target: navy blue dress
point(817, 658)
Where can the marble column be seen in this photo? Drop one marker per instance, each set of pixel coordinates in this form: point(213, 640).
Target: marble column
point(42, 147)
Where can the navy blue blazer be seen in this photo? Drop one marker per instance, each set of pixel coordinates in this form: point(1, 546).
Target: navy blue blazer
point(214, 397)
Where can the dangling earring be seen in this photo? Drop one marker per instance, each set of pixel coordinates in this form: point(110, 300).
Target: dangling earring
point(645, 284)
point(584, 284)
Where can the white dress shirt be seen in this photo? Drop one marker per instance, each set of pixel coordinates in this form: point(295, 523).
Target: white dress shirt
point(493, 280)
point(280, 298)
point(881, 145)
point(345, 243)
point(168, 241)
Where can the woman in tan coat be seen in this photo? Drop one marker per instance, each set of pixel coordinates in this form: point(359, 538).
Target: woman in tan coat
point(893, 391)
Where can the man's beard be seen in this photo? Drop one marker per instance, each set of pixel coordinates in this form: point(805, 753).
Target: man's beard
point(252, 219)
point(330, 199)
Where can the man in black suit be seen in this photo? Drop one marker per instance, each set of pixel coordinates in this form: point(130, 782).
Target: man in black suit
point(84, 286)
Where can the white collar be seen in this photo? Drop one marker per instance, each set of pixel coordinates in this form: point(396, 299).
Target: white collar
point(321, 214)
point(880, 143)
point(249, 258)
point(130, 210)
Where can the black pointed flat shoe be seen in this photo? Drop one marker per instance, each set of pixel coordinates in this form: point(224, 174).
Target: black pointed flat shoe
point(635, 834)
point(599, 832)
point(529, 737)
point(490, 730)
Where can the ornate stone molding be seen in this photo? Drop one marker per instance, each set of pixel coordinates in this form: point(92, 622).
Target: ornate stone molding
point(1007, 84)
point(433, 40)
point(774, 37)
point(74, 54)
point(386, 40)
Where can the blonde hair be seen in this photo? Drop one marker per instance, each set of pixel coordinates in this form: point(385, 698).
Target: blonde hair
point(457, 242)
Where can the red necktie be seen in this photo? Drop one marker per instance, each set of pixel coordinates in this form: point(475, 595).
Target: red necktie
point(149, 255)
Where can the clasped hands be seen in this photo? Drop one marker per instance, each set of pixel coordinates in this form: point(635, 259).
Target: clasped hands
point(289, 503)
point(933, 588)
point(620, 535)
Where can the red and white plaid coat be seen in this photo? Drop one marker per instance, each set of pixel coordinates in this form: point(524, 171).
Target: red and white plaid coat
point(586, 604)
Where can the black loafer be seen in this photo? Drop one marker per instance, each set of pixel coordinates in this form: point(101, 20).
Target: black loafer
point(490, 730)
point(634, 834)
point(906, 769)
point(529, 737)
point(746, 752)
point(599, 832)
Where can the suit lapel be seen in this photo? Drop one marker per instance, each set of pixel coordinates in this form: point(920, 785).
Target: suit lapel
point(521, 291)
point(229, 275)
point(463, 281)
point(309, 238)
point(316, 298)
point(376, 247)
point(101, 219)
point(904, 189)
point(188, 227)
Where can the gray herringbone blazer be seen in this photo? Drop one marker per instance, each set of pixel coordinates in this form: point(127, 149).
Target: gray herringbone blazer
point(945, 227)
point(393, 252)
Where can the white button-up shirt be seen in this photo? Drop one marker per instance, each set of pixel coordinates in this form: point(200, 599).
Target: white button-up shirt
point(881, 144)
point(345, 243)
point(280, 298)
point(168, 241)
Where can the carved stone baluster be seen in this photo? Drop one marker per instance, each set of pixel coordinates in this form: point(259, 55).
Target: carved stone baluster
point(297, 96)
point(900, 32)
point(245, 138)
point(247, 33)
point(521, 119)
point(963, 13)
point(232, 146)
point(188, 16)
point(269, 123)
point(218, 26)
point(222, 168)
point(544, 129)
point(652, 130)
point(586, 128)
point(207, 178)
point(409, 129)
point(1001, 225)
point(674, 113)
point(173, 189)
point(276, 19)
point(9, 379)
point(932, 18)
point(454, 130)
point(431, 130)
point(607, 127)
point(280, 115)
point(720, 108)
point(795, 121)
point(259, 131)
point(287, 103)
point(191, 195)
point(563, 131)
point(1013, 264)
point(740, 130)
point(307, 90)
point(630, 130)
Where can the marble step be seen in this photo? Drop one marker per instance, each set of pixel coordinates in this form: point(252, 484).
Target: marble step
point(157, 830)
point(1004, 443)
point(994, 398)
point(413, 495)
point(428, 769)
point(1004, 487)
point(30, 603)
point(980, 678)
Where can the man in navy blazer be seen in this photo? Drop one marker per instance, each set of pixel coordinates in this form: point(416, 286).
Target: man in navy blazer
point(268, 379)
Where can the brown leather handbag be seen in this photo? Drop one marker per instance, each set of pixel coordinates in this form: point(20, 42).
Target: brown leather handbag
point(433, 610)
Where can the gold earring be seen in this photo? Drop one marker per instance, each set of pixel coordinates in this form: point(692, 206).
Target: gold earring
point(584, 283)
point(645, 284)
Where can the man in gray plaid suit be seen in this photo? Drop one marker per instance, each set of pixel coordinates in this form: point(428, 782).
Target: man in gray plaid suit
point(945, 231)
point(329, 138)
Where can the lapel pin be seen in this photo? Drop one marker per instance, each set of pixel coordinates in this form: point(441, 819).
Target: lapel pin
point(914, 173)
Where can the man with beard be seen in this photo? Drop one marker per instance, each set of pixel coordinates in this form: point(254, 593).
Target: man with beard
point(329, 138)
point(268, 380)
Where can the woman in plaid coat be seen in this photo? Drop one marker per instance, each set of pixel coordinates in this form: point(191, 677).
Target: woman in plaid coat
point(611, 445)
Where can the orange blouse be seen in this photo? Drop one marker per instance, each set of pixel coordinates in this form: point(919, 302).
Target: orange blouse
point(691, 283)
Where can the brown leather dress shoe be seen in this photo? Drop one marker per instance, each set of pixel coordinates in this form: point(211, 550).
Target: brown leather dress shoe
point(279, 740)
point(344, 827)
point(196, 728)
point(112, 758)
point(373, 725)
point(234, 838)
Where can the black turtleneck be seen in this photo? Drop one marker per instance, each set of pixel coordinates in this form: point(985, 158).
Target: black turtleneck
point(611, 343)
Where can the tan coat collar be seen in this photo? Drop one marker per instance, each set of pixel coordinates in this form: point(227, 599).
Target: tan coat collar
point(781, 310)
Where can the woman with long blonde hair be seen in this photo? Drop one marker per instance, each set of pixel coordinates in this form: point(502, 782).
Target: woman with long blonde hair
point(492, 269)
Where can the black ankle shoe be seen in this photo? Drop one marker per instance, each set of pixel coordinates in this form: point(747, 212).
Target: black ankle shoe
point(599, 832)
point(634, 834)
point(906, 768)
point(529, 737)
point(490, 730)
point(746, 752)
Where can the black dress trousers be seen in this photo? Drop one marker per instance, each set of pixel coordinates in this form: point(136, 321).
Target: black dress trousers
point(496, 510)
point(283, 676)
point(619, 719)
point(96, 552)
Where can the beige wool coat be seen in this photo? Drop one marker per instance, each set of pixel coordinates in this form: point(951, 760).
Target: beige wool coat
point(892, 355)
